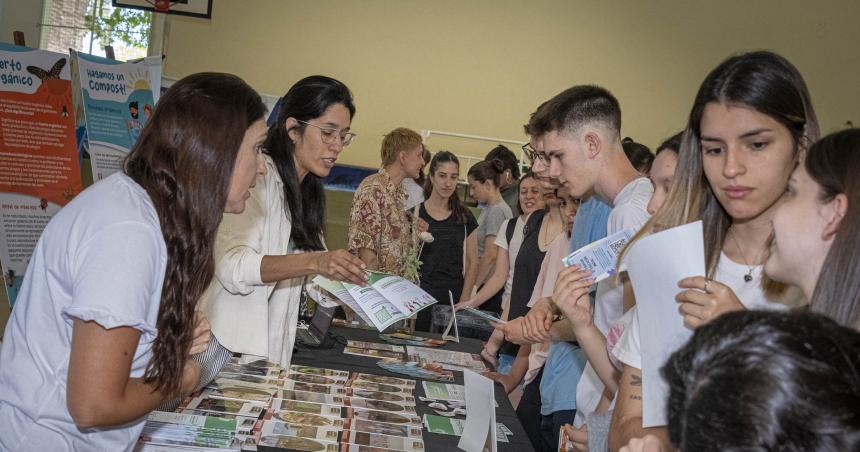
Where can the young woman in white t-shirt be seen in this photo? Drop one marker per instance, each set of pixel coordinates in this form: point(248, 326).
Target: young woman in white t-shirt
point(815, 229)
point(750, 121)
point(104, 324)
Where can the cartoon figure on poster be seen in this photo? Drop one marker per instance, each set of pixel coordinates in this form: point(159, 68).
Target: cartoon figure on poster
point(133, 124)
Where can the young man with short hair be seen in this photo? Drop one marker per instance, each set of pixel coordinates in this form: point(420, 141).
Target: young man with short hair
point(576, 137)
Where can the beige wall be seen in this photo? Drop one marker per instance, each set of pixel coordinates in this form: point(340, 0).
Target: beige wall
point(481, 66)
point(20, 15)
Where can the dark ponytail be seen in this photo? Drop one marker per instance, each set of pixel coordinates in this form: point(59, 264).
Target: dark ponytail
point(640, 156)
point(488, 170)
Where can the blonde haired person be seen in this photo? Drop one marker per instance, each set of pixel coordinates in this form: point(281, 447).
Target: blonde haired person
point(380, 230)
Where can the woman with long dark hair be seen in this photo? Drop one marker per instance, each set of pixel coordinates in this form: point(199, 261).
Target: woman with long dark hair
point(104, 324)
point(450, 261)
point(264, 255)
point(751, 120)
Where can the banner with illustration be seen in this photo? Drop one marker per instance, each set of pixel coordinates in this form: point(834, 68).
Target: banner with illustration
point(117, 99)
point(39, 169)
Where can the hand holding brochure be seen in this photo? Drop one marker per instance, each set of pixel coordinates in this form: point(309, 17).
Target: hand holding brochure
point(600, 256)
point(385, 300)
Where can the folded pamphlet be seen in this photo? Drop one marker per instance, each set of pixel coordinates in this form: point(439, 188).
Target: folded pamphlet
point(385, 300)
point(600, 256)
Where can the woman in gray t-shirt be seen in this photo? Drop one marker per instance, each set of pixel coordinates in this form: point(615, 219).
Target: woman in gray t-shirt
point(484, 187)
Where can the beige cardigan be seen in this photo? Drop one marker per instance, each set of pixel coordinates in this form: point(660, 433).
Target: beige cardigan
point(247, 315)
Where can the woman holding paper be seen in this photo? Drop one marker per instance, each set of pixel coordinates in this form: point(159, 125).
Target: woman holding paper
point(542, 227)
point(263, 255)
point(751, 120)
point(815, 229)
point(105, 321)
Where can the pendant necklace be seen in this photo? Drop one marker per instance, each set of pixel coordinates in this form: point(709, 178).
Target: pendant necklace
point(748, 277)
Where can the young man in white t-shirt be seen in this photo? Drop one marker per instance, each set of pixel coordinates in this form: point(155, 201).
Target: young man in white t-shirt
point(577, 134)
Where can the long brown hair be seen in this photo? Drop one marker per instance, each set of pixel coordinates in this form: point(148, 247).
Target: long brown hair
point(764, 81)
point(184, 160)
point(458, 210)
point(834, 163)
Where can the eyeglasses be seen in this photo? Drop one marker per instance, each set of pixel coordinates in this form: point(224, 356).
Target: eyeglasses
point(534, 155)
point(330, 134)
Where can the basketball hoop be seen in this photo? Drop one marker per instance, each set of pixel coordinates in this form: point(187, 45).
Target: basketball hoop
point(192, 8)
point(161, 6)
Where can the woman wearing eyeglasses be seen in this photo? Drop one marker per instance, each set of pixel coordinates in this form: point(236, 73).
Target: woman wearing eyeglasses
point(264, 255)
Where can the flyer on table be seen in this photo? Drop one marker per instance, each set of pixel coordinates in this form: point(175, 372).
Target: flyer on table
point(39, 169)
point(117, 100)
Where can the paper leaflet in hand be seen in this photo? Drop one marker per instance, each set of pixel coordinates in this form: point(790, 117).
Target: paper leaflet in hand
point(654, 274)
point(600, 256)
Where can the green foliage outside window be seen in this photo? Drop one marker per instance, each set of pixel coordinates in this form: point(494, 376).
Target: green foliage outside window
point(112, 25)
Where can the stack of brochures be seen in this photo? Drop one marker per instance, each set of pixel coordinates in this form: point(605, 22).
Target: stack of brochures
point(255, 404)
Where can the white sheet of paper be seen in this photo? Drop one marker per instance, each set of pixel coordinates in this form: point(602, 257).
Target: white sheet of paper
point(655, 264)
point(480, 414)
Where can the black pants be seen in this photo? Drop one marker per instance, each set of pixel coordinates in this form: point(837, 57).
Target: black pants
point(550, 426)
point(528, 411)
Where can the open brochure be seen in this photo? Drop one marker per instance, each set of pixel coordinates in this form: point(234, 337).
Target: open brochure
point(385, 300)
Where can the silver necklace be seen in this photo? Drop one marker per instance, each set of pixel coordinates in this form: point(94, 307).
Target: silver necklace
point(748, 277)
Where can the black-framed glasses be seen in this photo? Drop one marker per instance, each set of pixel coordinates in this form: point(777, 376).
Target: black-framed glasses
point(330, 134)
point(534, 155)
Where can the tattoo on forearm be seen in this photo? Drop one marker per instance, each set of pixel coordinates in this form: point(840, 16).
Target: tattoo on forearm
point(635, 380)
point(635, 397)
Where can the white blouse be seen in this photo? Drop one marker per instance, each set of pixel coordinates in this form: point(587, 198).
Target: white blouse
point(246, 314)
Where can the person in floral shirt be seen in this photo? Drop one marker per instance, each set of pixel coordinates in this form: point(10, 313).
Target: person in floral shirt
point(381, 232)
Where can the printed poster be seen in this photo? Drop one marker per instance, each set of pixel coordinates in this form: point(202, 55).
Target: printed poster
point(117, 100)
point(39, 169)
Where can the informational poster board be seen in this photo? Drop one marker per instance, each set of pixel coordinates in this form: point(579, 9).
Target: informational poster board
point(117, 100)
point(39, 169)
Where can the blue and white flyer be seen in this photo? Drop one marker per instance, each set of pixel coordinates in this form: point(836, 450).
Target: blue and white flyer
point(117, 101)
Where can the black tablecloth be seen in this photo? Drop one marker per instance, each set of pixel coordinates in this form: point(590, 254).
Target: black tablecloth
point(334, 358)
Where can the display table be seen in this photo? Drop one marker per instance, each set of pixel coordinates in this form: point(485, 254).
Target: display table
point(331, 356)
